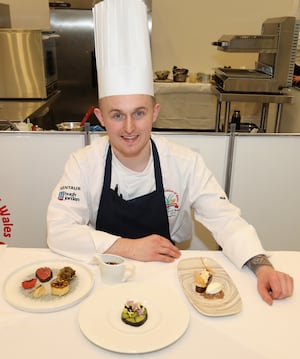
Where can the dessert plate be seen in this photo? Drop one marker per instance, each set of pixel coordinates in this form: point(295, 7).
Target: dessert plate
point(229, 305)
point(100, 318)
point(23, 299)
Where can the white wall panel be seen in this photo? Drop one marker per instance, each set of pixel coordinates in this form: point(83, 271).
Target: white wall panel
point(265, 185)
point(31, 164)
point(265, 182)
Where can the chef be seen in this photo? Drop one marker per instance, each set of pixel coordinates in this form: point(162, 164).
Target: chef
point(131, 193)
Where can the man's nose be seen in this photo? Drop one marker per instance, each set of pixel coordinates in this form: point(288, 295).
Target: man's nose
point(129, 124)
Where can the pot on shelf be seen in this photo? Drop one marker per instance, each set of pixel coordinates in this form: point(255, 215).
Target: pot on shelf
point(69, 126)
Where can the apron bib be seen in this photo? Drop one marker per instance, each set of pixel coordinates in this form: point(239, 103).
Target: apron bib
point(135, 218)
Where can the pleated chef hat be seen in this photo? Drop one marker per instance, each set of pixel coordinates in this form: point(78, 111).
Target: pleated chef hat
point(122, 47)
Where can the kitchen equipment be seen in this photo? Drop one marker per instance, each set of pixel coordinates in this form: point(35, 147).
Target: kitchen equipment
point(162, 75)
point(27, 64)
point(77, 74)
point(69, 126)
point(180, 75)
point(274, 69)
point(236, 119)
point(203, 77)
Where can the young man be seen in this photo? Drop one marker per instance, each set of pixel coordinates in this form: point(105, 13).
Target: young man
point(131, 193)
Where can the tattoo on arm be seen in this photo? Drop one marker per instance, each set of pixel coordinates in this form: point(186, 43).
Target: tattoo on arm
point(260, 260)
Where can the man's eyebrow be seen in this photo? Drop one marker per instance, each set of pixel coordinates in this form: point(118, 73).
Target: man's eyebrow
point(140, 108)
point(135, 109)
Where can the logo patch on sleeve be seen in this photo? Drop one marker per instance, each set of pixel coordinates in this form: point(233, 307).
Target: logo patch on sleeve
point(68, 193)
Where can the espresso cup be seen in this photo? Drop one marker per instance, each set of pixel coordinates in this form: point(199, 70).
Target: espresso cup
point(114, 269)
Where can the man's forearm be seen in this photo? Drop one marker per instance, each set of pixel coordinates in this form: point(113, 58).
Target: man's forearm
point(256, 262)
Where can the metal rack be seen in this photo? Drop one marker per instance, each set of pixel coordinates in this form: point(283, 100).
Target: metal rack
point(263, 98)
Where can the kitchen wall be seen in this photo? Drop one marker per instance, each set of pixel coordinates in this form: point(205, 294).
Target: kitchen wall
point(184, 30)
point(29, 14)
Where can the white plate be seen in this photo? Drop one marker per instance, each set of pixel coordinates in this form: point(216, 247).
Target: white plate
point(229, 305)
point(23, 299)
point(100, 318)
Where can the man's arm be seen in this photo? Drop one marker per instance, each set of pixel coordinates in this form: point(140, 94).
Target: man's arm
point(256, 262)
point(271, 284)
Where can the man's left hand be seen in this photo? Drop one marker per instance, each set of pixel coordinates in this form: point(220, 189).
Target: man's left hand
point(272, 284)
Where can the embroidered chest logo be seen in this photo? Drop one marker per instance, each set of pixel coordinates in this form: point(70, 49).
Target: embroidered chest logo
point(68, 193)
point(172, 202)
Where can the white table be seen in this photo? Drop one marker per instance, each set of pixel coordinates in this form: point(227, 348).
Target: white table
point(259, 331)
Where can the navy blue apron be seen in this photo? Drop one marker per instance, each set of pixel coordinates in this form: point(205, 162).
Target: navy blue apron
point(135, 218)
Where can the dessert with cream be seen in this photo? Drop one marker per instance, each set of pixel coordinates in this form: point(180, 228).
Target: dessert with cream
point(202, 279)
point(205, 285)
point(214, 290)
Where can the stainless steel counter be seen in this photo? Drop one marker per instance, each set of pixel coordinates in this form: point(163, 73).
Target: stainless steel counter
point(20, 110)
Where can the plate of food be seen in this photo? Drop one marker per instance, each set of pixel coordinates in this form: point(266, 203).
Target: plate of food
point(48, 286)
point(208, 287)
point(133, 317)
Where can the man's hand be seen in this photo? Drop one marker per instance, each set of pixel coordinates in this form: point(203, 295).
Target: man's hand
point(150, 248)
point(296, 79)
point(272, 284)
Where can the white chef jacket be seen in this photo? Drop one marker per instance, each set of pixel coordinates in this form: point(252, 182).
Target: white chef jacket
point(188, 184)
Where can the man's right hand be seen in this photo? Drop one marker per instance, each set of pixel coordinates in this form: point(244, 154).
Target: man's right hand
point(146, 249)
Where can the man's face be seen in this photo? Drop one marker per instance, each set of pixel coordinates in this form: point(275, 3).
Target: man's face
point(128, 121)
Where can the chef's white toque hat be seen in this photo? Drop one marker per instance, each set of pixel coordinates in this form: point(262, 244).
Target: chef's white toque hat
point(122, 47)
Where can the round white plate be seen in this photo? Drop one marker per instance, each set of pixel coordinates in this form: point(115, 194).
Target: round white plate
point(23, 299)
point(229, 305)
point(100, 318)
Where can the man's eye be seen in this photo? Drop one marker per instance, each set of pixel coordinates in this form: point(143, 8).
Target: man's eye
point(139, 114)
point(117, 116)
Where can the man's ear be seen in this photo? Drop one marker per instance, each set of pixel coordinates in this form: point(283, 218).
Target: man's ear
point(155, 112)
point(99, 116)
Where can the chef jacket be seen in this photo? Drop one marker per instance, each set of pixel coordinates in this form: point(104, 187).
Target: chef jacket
point(188, 184)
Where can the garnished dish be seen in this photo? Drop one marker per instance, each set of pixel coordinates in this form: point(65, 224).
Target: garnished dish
point(134, 317)
point(205, 285)
point(134, 313)
point(59, 286)
point(208, 287)
point(48, 286)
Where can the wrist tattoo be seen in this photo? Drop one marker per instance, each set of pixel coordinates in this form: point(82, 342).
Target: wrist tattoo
point(260, 260)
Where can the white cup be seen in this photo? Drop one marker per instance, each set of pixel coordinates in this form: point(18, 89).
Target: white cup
point(114, 269)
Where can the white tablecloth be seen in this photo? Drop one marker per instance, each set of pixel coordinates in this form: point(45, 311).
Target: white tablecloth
point(259, 331)
point(185, 106)
point(192, 106)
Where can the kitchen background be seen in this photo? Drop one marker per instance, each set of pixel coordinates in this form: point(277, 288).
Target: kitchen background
point(182, 33)
point(182, 36)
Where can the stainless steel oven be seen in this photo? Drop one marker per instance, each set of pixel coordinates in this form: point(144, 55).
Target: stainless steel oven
point(28, 67)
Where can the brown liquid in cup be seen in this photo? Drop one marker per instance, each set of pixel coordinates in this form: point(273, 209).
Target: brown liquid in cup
point(111, 263)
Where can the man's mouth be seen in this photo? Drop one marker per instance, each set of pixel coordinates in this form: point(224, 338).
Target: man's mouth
point(131, 137)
